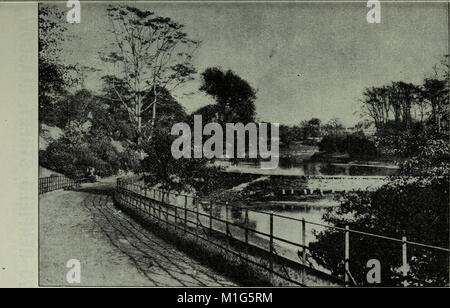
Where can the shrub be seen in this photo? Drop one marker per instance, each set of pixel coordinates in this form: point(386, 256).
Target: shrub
point(357, 146)
point(176, 174)
point(414, 204)
point(73, 159)
point(412, 209)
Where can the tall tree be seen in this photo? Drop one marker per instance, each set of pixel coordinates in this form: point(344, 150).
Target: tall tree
point(376, 105)
point(435, 94)
point(311, 128)
point(334, 127)
point(150, 54)
point(53, 74)
point(403, 97)
point(396, 99)
point(234, 96)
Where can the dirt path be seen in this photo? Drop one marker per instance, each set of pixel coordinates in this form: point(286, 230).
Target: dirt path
point(112, 248)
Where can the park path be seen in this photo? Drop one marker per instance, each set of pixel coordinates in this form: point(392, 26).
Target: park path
point(113, 249)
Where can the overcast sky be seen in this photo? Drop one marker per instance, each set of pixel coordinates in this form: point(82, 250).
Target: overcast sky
point(305, 59)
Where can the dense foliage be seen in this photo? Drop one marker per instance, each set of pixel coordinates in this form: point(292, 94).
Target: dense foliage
point(356, 145)
point(402, 208)
point(151, 56)
point(93, 137)
point(234, 97)
point(54, 75)
point(193, 175)
point(414, 204)
point(104, 130)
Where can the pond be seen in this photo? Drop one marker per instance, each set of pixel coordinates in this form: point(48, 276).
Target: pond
point(285, 228)
point(292, 166)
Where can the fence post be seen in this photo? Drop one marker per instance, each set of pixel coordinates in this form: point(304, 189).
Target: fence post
point(185, 213)
point(197, 221)
point(166, 207)
point(404, 261)
point(226, 218)
point(271, 247)
point(304, 250)
point(141, 204)
point(246, 226)
point(210, 216)
point(159, 211)
point(347, 255)
point(153, 207)
point(136, 201)
point(146, 203)
point(176, 220)
point(271, 234)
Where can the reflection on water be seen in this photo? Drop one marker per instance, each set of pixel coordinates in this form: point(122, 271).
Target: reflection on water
point(282, 227)
point(304, 167)
point(330, 169)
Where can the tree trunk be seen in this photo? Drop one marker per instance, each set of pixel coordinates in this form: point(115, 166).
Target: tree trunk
point(154, 115)
point(154, 108)
point(138, 110)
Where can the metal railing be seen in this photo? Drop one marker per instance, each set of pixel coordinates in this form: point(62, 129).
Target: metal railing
point(184, 211)
point(51, 183)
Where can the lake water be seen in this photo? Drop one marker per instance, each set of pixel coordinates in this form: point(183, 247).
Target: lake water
point(284, 228)
point(259, 220)
point(290, 229)
point(292, 166)
point(287, 228)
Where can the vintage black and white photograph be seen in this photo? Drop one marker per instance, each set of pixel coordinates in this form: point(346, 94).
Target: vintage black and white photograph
point(243, 144)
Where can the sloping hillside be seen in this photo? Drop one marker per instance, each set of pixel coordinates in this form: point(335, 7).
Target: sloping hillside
point(48, 134)
point(44, 172)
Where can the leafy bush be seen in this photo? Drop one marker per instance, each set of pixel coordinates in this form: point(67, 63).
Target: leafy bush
point(414, 204)
point(356, 145)
point(59, 157)
point(329, 144)
point(411, 209)
point(73, 159)
point(176, 174)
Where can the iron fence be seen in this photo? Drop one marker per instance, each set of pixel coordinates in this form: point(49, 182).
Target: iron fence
point(188, 213)
point(51, 183)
